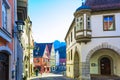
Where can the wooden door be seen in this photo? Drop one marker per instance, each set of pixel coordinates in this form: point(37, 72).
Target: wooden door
point(105, 66)
point(4, 67)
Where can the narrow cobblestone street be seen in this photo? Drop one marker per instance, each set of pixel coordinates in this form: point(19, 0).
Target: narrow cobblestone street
point(50, 76)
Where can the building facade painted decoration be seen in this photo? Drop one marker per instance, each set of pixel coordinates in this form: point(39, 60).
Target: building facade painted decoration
point(93, 40)
point(49, 59)
point(41, 56)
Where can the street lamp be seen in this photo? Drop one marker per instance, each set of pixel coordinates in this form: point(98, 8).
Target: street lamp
point(20, 24)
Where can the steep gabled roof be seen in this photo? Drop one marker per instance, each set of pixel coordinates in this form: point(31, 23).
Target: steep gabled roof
point(40, 48)
point(50, 47)
point(98, 5)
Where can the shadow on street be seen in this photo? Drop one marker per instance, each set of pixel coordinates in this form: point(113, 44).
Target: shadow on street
point(53, 78)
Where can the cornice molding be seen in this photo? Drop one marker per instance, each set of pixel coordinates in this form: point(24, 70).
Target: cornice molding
point(5, 34)
point(5, 49)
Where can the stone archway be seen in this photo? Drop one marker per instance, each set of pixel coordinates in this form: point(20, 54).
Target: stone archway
point(76, 65)
point(104, 56)
point(103, 45)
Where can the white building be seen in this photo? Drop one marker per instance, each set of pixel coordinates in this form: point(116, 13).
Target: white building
point(93, 40)
point(57, 58)
point(52, 59)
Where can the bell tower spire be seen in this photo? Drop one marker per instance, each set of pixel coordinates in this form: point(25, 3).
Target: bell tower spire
point(82, 2)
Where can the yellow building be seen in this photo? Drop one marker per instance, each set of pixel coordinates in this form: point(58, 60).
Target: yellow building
point(26, 38)
point(30, 48)
point(93, 40)
point(28, 44)
point(22, 14)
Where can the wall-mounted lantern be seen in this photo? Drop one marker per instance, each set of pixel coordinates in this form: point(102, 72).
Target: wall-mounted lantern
point(20, 25)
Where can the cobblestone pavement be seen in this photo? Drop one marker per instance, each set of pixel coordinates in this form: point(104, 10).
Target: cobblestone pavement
point(50, 76)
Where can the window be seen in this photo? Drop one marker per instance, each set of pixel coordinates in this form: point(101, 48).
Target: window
point(4, 16)
point(69, 68)
point(69, 41)
point(36, 53)
point(77, 27)
point(37, 60)
point(74, 32)
point(108, 23)
point(71, 37)
point(43, 59)
point(88, 23)
point(79, 23)
point(71, 54)
point(77, 19)
point(67, 56)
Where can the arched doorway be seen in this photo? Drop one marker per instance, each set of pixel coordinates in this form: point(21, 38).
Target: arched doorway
point(76, 65)
point(105, 66)
point(4, 66)
point(107, 53)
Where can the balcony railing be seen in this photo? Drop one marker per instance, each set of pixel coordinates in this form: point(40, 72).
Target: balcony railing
point(83, 36)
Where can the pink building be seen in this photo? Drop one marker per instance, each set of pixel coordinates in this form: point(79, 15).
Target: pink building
point(42, 57)
point(7, 56)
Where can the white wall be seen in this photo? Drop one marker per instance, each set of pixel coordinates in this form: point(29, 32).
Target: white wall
point(97, 25)
point(98, 37)
point(57, 58)
point(86, 48)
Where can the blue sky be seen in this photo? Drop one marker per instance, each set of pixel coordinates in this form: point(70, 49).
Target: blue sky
point(51, 18)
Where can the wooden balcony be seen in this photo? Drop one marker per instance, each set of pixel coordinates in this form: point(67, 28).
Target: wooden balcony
point(83, 36)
